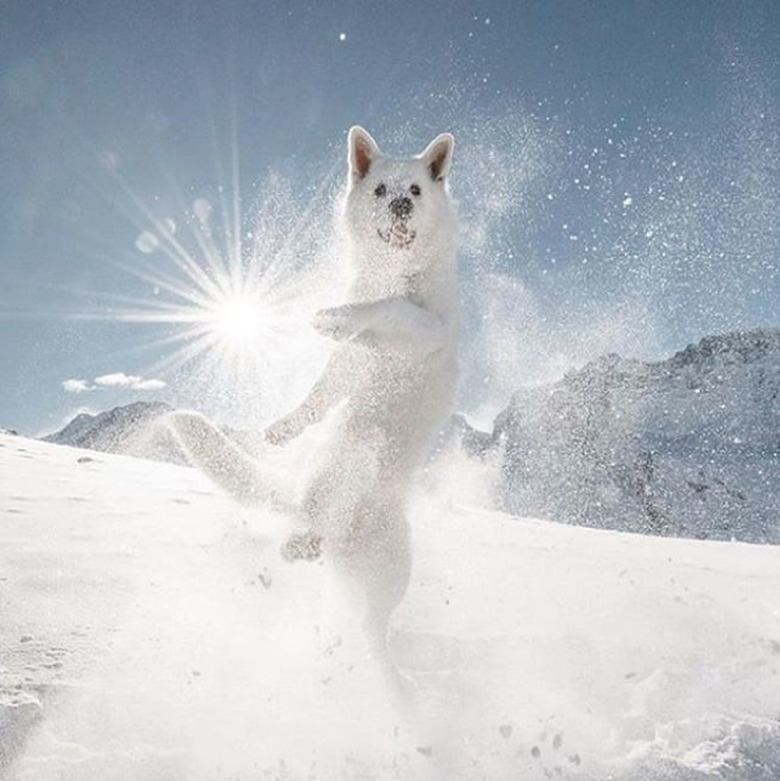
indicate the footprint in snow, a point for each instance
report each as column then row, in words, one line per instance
column 557, row 745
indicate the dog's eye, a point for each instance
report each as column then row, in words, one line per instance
column 380, row 191
column 415, row 189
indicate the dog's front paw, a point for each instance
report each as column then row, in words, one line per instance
column 339, row 323
column 305, row 546
column 281, row 432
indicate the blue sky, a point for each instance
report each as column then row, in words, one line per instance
column 617, row 168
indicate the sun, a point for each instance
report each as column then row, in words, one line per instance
column 237, row 321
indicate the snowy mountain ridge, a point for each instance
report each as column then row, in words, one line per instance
column 125, row 430
column 688, row 446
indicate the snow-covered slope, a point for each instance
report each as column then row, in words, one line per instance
column 688, row 446
column 149, row 631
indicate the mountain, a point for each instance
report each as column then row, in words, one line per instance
column 126, row 430
column 689, row 446
column 150, row 630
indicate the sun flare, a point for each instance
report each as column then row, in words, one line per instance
column 229, row 292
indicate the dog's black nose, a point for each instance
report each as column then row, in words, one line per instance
column 401, row 207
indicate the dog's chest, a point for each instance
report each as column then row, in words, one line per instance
column 402, row 382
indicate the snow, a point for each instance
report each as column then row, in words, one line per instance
column 148, row 630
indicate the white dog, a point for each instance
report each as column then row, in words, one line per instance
column 392, row 375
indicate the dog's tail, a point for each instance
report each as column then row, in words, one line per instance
column 224, row 462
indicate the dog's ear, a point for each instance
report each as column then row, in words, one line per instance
column 438, row 156
column 362, row 151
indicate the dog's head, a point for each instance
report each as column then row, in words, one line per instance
column 397, row 204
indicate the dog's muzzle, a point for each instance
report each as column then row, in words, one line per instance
column 398, row 234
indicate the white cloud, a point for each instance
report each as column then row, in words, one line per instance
column 131, row 381
column 77, row 386
column 115, row 380
column 150, row 384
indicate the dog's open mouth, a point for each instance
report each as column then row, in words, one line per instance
column 398, row 234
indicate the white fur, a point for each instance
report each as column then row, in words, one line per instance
column 393, row 375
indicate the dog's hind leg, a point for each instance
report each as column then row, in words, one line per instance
column 376, row 561
column 226, row 464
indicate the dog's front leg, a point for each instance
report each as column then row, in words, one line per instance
column 402, row 316
column 328, row 390
column 342, row 322
column 398, row 316
column 289, row 426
